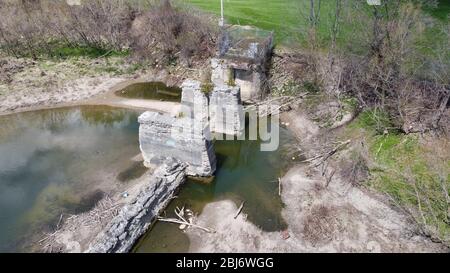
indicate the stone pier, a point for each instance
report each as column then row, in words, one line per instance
column 134, row 219
column 243, row 59
column 225, row 110
column 162, row 136
column 187, row 136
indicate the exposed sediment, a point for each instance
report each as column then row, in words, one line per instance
column 323, row 214
column 134, row 218
column 338, row 218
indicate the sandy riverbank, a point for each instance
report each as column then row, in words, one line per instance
column 85, row 91
column 322, row 216
column 43, row 85
column 334, row 218
column 111, row 99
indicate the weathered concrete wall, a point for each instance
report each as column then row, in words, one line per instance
column 248, row 77
column 185, row 139
column 220, row 72
column 244, row 79
column 220, row 111
column 134, row 218
column 225, row 110
column 243, row 59
column 194, row 103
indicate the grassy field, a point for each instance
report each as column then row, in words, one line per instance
column 286, row 17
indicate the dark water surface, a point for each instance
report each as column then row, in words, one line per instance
column 151, row 91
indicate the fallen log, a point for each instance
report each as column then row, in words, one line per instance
column 279, row 186
column 239, row 210
column 325, row 156
column 180, row 222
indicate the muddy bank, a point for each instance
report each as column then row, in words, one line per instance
column 39, row 84
column 111, row 98
column 66, row 95
column 320, row 219
column 322, row 214
column 84, row 91
column 33, row 85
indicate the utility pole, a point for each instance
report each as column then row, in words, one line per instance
column 221, row 22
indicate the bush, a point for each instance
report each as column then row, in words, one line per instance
column 207, row 87
column 165, row 33
column 375, row 120
column 32, row 28
column 407, row 79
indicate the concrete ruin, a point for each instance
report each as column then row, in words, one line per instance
column 238, row 75
column 187, row 137
column 194, row 103
column 134, row 219
column 226, row 114
column 162, row 136
column 243, row 59
column 219, row 110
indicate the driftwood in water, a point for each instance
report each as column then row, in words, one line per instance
column 239, row 210
column 279, row 186
column 181, row 222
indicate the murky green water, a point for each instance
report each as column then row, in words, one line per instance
column 151, row 91
column 244, row 173
column 58, row 161
column 63, row 160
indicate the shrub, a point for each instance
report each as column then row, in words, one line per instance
column 161, row 33
column 33, row 28
column 165, row 33
column 207, row 87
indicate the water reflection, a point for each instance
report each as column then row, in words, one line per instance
column 243, row 173
column 151, row 91
column 55, row 161
column 63, row 160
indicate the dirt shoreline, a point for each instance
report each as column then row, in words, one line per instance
column 102, row 94
column 322, row 216
column 334, row 218
column 51, row 84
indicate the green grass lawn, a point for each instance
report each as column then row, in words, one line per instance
column 282, row 16
column 286, row 18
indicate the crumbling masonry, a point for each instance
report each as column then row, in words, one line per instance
column 162, row 136
column 242, row 60
column 238, row 75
